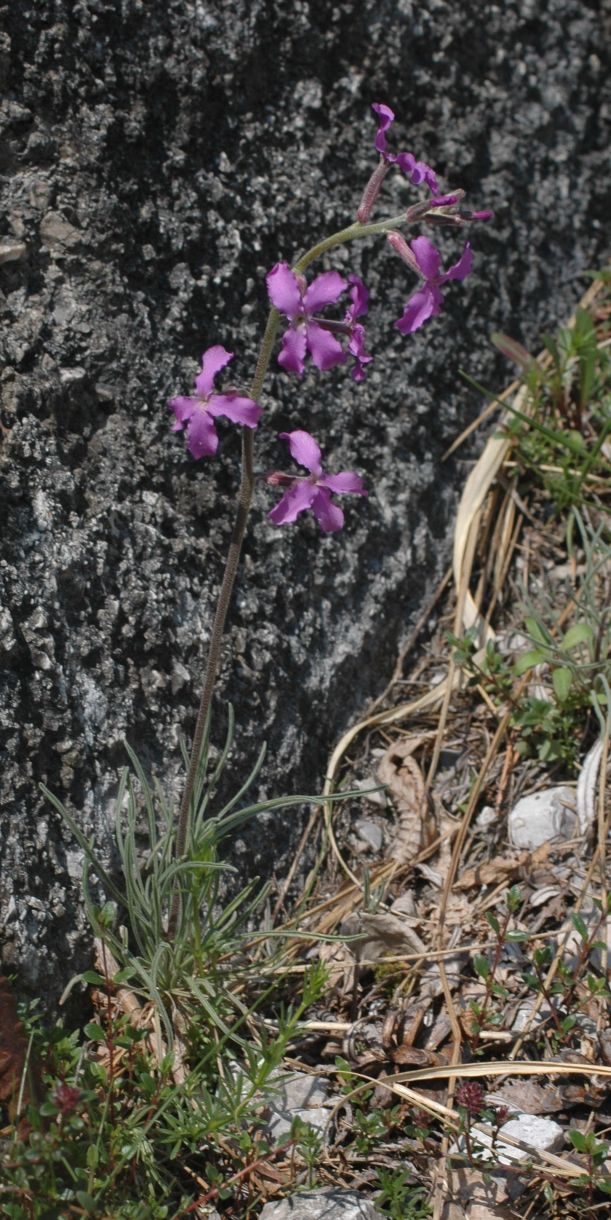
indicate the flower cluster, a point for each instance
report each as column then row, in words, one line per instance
column 330, row 341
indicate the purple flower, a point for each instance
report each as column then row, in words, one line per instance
column 199, row 411
column 359, row 297
column 289, row 294
column 313, row 490
column 424, row 258
column 416, row 171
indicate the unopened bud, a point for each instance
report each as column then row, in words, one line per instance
column 400, row 247
column 371, row 192
column 277, row 479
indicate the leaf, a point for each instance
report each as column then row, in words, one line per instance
column 580, row 925
column 492, row 872
column 578, row 1140
column 528, row 660
column 400, row 773
column 93, row 978
column 94, row 1032
column 537, row 631
column 481, row 966
column 562, row 680
column 579, row 633
column 513, row 350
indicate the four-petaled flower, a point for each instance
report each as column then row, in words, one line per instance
column 199, row 411
column 424, row 258
column 416, row 171
column 299, row 303
column 313, row 490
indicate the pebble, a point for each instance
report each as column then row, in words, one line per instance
column 298, row 1096
column 370, row 833
column 332, row 1203
column 540, row 1134
column 543, row 817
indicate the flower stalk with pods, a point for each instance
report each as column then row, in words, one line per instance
column 323, row 324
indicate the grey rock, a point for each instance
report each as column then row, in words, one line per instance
column 11, row 251
column 298, row 1096
column 156, row 161
column 328, row 1204
column 524, row 1018
column 370, row 834
column 543, row 817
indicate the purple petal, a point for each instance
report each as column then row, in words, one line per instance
column 345, row 483
column 183, row 409
column 304, row 449
column 444, row 201
column 359, row 297
column 460, row 269
column 329, row 515
column 386, row 117
column 294, row 501
column 420, row 307
column 356, row 347
column 213, row 360
column 324, row 290
column 283, row 289
column 239, row 410
column 292, row 354
column 417, row 171
column 202, row 440
column 324, row 349
column 427, row 257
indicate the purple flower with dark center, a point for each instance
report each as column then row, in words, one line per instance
column 290, row 295
column 424, row 258
column 416, row 171
column 199, row 411
column 313, row 490
column 359, row 297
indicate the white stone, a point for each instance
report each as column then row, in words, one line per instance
column 543, row 817
column 332, row 1203
column 541, row 1135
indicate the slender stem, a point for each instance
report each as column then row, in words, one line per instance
column 352, row 232
column 218, row 626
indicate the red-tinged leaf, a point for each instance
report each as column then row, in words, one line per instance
column 513, row 350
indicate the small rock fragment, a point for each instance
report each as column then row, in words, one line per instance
column 298, row 1096
column 543, row 817
column 11, row 252
column 370, row 834
column 330, row 1203
column 540, row 1134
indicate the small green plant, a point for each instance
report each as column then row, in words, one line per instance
column 596, row 1153
column 560, row 441
column 400, row 1198
column 309, row 1146
column 568, row 668
column 486, row 969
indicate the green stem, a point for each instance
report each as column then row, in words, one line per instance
column 352, row 232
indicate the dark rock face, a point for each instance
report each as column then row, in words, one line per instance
column 156, row 161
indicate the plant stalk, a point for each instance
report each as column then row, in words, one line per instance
column 352, row 232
